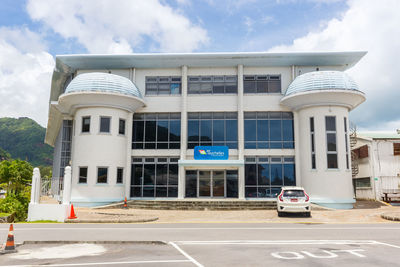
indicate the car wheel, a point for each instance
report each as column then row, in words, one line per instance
column 280, row 214
column 307, row 214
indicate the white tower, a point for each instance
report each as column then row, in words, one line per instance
column 101, row 106
column 321, row 102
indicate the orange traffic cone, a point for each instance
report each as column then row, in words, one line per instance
column 10, row 246
column 125, row 204
column 72, row 213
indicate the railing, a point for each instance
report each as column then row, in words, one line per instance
column 56, row 186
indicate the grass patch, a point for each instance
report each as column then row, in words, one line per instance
column 42, row 221
column 3, row 214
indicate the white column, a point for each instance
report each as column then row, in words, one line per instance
column 35, row 190
column 181, row 176
column 67, row 185
column 297, row 158
column 240, row 130
column 128, row 169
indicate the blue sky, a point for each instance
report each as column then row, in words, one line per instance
column 32, row 32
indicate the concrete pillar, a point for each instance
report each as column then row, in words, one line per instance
column 297, row 158
column 181, row 171
column 128, row 169
column 35, row 190
column 67, row 185
column 240, row 130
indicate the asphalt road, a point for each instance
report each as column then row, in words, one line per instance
column 224, row 244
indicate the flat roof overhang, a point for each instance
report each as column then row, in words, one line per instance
column 211, row 163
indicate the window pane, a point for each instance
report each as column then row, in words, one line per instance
column 289, row 174
column 136, row 191
column 274, row 86
column 172, row 191
column 206, row 88
column 191, row 184
column 276, row 133
column 231, row 88
column 231, row 184
column 104, row 125
column 332, row 161
column 102, row 175
column 161, row 191
column 85, row 124
column 148, row 191
column 82, row 175
column 162, row 131
column 173, row 174
column 149, row 174
column 150, row 131
column 250, row 174
column 262, row 130
column 287, row 126
column 162, row 174
column 175, row 88
column 218, row 130
column 218, row 88
column 331, row 139
column 137, row 172
column 193, row 130
column 250, row 130
column 262, row 86
column 250, row 191
column 205, row 128
column 120, row 175
column 175, row 131
column 330, row 123
column 121, row 128
column 231, row 130
column 138, row 131
column 193, row 88
column 263, row 174
column 249, row 86
column 276, row 174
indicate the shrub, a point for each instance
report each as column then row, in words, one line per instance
column 16, row 203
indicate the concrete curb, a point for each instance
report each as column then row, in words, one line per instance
column 93, row 242
column 111, row 220
column 391, row 216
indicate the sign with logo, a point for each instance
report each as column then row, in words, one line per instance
column 211, row 153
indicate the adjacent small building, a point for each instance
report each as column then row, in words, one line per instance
column 377, row 161
column 203, row 125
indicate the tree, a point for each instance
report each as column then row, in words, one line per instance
column 15, row 175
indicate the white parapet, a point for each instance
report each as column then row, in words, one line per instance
column 48, row 212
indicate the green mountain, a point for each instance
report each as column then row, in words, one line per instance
column 23, row 138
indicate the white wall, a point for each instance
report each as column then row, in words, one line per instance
column 97, row 149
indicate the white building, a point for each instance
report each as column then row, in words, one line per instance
column 378, row 163
column 130, row 125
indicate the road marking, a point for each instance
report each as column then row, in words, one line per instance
column 286, row 255
column 201, row 228
column 186, row 255
column 386, row 244
column 280, row 242
column 296, row 255
column 101, row 263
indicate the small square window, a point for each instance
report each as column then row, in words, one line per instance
column 121, row 129
column 83, row 175
column 120, row 175
column 102, row 173
column 105, row 124
column 85, row 124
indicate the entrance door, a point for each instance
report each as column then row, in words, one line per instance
column 218, row 183
column 204, row 183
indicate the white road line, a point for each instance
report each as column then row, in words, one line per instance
column 386, row 244
column 186, row 255
column 203, row 228
column 101, row 263
column 279, row 242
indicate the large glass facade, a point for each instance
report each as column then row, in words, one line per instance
column 156, row 131
column 268, row 130
column 212, row 129
column 211, row 183
column 264, row 176
column 154, row 177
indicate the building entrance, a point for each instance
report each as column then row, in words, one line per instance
column 211, row 183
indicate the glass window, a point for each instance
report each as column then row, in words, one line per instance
column 85, row 124
column 102, row 173
column 330, row 123
column 191, row 184
column 120, row 175
column 212, row 85
column 105, row 124
column 232, row 183
column 332, row 157
column 156, row 131
column 83, row 175
column 313, row 162
column 163, row 85
column 121, row 127
column 261, row 84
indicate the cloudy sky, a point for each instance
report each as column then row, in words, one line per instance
column 32, row 32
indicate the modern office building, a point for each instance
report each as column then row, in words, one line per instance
column 206, row 125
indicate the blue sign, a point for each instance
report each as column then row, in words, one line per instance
column 211, row 152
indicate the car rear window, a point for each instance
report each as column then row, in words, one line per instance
column 293, row 193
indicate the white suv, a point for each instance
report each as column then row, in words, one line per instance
column 293, row 199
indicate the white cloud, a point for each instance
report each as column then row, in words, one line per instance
column 249, row 23
column 118, row 26
column 25, row 74
column 373, row 26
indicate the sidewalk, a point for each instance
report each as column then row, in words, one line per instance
column 364, row 212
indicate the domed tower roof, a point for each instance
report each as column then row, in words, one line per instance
column 102, row 82
column 323, row 88
column 322, row 80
